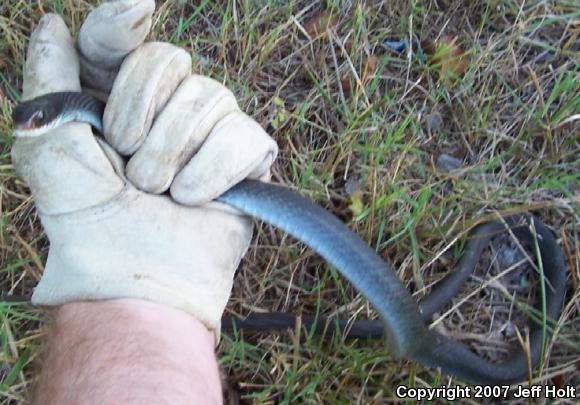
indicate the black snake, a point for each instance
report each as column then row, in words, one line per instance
column 403, row 320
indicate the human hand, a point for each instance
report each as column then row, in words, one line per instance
column 112, row 231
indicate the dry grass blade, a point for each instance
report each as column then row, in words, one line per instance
column 339, row 114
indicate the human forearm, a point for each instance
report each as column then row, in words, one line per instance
column 128, row 351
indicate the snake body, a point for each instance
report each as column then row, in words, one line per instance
column 402, row 319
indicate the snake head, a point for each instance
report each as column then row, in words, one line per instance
column 38, row 114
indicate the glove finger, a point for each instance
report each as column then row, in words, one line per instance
column 108, row 34
column 51, row 61
column 237, row 148
column 147, row 78
column 178, row 132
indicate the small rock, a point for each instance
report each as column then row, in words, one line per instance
column 448, row 163
column 434, row 122
column 507, row 253
column 353, row 184
column 4, row 372
column 201, row 60
column 508, row 331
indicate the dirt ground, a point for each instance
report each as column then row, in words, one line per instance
column 411, row 149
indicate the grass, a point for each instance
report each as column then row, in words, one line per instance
column 512, row 120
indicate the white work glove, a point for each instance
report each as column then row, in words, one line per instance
column 112, row 232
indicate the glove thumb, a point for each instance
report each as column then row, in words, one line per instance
column 66, row 168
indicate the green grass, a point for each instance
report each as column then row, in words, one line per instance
column 512, row 120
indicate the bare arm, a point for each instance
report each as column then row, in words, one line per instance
column 130, row 352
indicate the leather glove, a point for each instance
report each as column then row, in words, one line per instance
column 148, row 230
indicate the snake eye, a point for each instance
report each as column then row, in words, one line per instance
column 37, row 117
